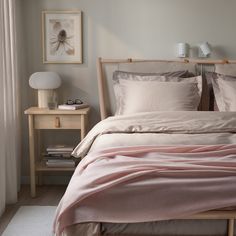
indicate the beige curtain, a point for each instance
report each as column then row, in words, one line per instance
column 9, row 107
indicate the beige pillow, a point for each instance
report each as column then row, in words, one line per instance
column 148, row 96
column 225, row 91
column 134, row 76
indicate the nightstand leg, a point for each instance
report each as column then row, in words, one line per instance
column 32, row 155
column 39, row 151
column 82, row 127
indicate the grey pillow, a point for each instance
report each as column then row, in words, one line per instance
column 224, row 88
column 148, row 76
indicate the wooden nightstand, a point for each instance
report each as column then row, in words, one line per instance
column 42, row 119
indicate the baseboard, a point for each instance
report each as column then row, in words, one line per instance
column 49, row 180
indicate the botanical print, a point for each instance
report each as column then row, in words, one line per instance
column 62, row 37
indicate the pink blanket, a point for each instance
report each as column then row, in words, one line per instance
column 149, row 183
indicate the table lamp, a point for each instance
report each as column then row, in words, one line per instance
column 45, row 83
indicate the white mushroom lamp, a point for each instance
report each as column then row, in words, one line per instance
column 45, row 83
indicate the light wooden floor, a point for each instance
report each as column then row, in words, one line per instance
column 46, row 196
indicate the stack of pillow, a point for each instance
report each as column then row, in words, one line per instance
column 175, row 91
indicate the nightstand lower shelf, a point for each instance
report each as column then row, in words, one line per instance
column 41, row 166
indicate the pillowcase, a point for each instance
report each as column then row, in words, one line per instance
column 159, row 95
column 167, row 76
column 117, row 75
column 224, row 87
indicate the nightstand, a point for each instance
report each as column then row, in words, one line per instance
column 45, row 119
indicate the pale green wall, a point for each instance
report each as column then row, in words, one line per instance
column 123, row 29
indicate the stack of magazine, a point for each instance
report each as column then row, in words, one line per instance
column 59, row 156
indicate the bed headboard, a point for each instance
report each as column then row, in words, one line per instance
column 106, row 67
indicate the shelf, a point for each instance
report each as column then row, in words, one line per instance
column 41, row 166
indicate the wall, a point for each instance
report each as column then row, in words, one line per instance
column 122, row 29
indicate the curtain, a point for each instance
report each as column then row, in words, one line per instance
column 9, row 106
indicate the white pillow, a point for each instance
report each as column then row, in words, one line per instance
column 148, row 96
column 225, row 92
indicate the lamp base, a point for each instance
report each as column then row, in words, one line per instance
column 45, row 97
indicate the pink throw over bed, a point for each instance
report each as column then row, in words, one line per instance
column 149, row 183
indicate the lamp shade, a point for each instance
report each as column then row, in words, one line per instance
column 183, row 50
column 45, row 80
column 205, row 49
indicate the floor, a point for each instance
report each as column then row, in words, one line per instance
column 46, row 196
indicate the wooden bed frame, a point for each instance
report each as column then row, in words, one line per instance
column 229, row 215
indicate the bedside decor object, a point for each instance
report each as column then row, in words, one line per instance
column 72, row 102
column 204, row 50
column 183, row 50
column 46, row 83
column 62, row 36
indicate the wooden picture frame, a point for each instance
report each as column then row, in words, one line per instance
column 62, row 37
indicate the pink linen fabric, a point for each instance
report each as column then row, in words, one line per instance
column 148, row 183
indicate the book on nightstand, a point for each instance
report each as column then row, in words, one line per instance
column 60, row 163
column 72, row 107
column 59, row 156
column 59, row 149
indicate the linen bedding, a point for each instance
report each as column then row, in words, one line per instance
column 187, row 160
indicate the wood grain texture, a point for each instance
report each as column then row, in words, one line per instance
column 46, row 111
column 101, row 89
column 186, row 60
column 66, row 121
column 231, row 227
column 32, row 155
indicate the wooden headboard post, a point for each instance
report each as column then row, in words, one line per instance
column 101, row 89
column 102, row 82
column 101, row 77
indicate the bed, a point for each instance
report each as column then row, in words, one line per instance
column 188, row 156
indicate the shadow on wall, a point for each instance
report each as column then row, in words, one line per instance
column 219, row 52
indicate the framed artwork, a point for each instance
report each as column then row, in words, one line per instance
column 62, row 36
